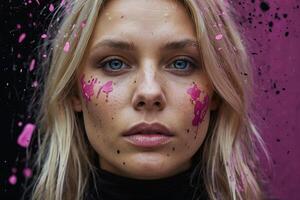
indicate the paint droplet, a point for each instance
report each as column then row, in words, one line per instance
column 12, row 179
column 27, row 172
column 219, row 37
column 44, row 36
column 22, row 37
column 67, row 47
column 118, row 151
column 51, row 8
column 88, row 88
column 32, row 65
column 25, row 136
column 264, row 6
column 107, row 87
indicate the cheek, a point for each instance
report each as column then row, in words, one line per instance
column 93, row 88
column 200, row 100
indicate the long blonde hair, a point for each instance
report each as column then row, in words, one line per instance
column 229, row 155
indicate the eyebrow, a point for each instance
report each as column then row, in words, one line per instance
column 129, row 46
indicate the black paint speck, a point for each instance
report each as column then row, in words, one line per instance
column 264, row 6
column 285, row 15
column 124, row 163
column 277, row 140
column 173, row 149
column 188, row 130
column 271, row 24
column 277, row 92
column 118, row 151
column 286, row 34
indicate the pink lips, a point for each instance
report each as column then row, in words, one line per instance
column 148, row 135
column 148, row 140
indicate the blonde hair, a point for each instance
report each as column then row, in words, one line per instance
column 229, row 160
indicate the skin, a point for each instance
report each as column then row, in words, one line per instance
column 146, row 87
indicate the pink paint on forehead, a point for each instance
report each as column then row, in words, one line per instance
column 87, row 88
column 25, row 136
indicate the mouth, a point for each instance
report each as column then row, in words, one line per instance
column 148, row 135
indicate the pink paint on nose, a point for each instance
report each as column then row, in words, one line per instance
column 25, row 136
column 87, row 88
column 200, row 107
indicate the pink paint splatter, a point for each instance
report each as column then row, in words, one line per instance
column 87, row 89
column 32, row 65
column 219, row 37
column 44, row 36
column 67, row 47
column 194, row 92
column 25, row 136
column 107, row 87
column 22, row 37
column 27, row 172
column 19, row 26
column 34, row 84
column 20, row 124
column 83, row 23
column 51, row 8
column 200, row 110
column 200, row 107
column 12, row 179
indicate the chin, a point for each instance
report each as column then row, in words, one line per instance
column 150, row 168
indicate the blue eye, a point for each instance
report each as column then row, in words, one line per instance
column 182, row 64
column 114, row 64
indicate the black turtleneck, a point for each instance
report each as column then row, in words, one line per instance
column 115, row 187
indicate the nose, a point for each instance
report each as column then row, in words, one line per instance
column 149, row 94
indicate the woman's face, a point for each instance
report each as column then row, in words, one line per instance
column 142, row 64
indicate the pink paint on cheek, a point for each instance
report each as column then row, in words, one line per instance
column 87, row 88
column 194, row 92
column 12, row 179
column 200, row 107
column 107, row 87
column 200, row 110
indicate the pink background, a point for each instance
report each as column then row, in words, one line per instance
column 276, row 57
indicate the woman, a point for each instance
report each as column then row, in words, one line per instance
column 147, row 100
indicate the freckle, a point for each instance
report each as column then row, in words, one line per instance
column 122, row 16
column 106, row 100
column 173, row 149
column 112, row 118
column 118, row 151
column 168, row 154
column 124, row 163
column 135, row 81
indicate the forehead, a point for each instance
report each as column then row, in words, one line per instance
column 143, row 20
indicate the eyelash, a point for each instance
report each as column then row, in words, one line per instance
column 103, row 64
